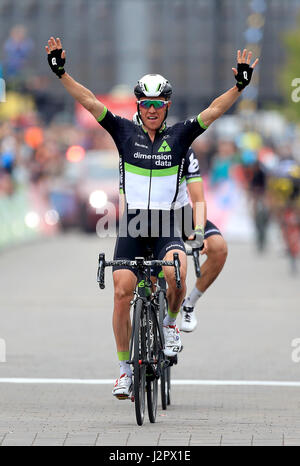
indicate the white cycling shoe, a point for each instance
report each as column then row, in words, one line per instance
column 188, row 319
column 173, row 344
column 123, row 387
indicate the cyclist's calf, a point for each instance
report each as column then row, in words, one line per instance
column 124, row 285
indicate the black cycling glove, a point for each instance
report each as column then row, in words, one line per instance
column 56, row 62
column 243, row 76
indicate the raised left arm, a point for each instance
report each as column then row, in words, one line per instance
column 197, row 197
column 221, row 104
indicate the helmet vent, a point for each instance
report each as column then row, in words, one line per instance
column 153, row 85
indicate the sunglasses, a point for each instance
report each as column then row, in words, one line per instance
column 155, row 103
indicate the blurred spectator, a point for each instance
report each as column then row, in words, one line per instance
column 258, row 181
column 6, row 184
column 7, row 148
column 17, row 49
column 47, row 104
column 18, row 106
column 204, row 148
column 223, row 161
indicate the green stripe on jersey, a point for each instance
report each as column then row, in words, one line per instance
column 165, row 171
column 102, row 115
column 154, row 172
column 136, row 170
column 192, row 180
column 201, row 122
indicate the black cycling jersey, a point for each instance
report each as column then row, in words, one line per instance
column 153, row 175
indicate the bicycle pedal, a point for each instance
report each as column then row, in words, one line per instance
column 122, row 397
column 172, row 360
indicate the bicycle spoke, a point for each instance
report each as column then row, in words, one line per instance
column 152, row 381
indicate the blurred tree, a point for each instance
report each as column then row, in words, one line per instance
column 290, row 75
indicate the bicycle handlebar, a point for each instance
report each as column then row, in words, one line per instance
column 139, row 263
column 195, row 253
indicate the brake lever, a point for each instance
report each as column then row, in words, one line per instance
column 177, row 269
column 100, row 273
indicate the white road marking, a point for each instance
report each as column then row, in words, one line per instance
column 257, row 383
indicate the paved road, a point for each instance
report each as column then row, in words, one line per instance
column 57, row 324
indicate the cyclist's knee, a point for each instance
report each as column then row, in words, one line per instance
column 217, row 248
column 124, row 284
column 122, row 294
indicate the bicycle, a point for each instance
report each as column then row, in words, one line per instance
column 146, row 353
column 160, row 301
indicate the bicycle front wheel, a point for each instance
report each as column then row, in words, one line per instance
column 152, row 381
column 139, row 361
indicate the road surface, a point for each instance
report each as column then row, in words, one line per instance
column 236, row 381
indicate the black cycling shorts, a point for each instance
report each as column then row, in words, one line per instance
column 128, row 247
column 154, row 239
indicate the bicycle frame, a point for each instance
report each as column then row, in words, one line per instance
column 143, row 292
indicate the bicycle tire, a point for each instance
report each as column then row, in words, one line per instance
column 151, row 379
column 168, row 385
column 139, row 366
column 165, row 371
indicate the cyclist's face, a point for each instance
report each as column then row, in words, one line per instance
column 153, row 117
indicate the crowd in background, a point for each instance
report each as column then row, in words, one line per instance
column 33, row 141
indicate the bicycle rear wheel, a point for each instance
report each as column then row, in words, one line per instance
column 165, row 378
column 139, row 358
column 152, row 380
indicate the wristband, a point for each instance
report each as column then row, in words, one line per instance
column 199, row 228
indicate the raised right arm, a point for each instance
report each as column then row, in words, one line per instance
column 80, row 93
column 83, row 95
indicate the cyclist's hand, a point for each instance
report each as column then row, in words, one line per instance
column 244, row 71
column 56, row 56
column 197, row 238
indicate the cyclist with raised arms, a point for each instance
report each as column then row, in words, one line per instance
column 151, row 164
